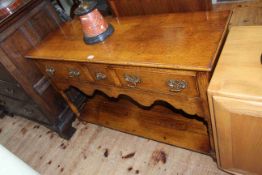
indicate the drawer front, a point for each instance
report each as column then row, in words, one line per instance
column 101, row 74
column 62, row 71
column 158, row 80
column 12, row 90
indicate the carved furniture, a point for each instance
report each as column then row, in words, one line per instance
column 235, row 100
column 149, row 58
column 24, row 90
column 148, row 7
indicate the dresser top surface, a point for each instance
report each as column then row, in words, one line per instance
column 187, row 41
column 239, row 70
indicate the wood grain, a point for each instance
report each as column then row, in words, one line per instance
column 22, row 31
column 245, row 13
column 237, row 5
column 238, row 134
column 191, row 106
column 48, row 154
column 182, row 47
column 172, row 127
column 247, row 57
column 247, row 16
column 235, row 99
column 188, row 42
column 148, row 7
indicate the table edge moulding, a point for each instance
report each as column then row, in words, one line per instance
column 168, row 57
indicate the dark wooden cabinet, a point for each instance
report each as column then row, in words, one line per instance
column 148, row 7
column 24, row 90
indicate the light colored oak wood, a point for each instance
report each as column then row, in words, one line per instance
column 109, row 79
column 153, row 84
column 238, row 125
column 237, row 5
column 246, row 16
column 182, row 48
column 61, row 70
column 185, row 41
column 191, row 106
column 238, row 72
column 48, row 154
column 235, row 100
column 245, row 13
column 156, row 80
column 159, row 122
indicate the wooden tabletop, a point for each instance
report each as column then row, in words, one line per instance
column 239, row 70
column 187, row 41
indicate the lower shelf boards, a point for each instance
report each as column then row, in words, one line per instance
column 158, row 122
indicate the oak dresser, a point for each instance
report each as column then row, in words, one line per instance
column 167, row 57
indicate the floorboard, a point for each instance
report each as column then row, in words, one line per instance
column 95, row 150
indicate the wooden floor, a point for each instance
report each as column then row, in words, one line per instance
column 95, row 150
column 245, row 12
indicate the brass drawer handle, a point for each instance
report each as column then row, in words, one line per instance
column 50, row 71
column 100, row 76
column 73, row 73
column 132, row 80
column 176, row 85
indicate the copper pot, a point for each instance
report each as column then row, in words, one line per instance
column 8, row 7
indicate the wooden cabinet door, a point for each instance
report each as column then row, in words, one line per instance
column 146, row 7
column 238, row 126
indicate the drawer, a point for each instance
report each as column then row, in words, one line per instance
column 159, row 80
column 12, row 90
column 101, row 74
column 64, row 71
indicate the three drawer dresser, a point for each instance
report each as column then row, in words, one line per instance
column 167, row 57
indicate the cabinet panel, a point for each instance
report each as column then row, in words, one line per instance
column 20, row 32
column 10, row 105
column 15, row 46
column 239, row 134
column 12, row 90
column 5, row 76
column 144, row 7
column 43, row 23
column 31, row 111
